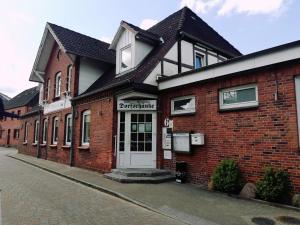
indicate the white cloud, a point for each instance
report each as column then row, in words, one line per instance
column 147, row 23
column 106, row 39
column 226, row 7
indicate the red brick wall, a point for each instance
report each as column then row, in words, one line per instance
column 28, row 148
column 11, row 124
column 255, row 138
column 99, row 156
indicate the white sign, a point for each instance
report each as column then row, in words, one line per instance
column 57, row 105
column 167, row 154
column 136, row 105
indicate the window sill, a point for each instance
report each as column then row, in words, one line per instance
column 66, row 146
column 43, row 145
column 25, row 143
column 53, row 146
column 56, row 99
column 86, row 148
column 239, row 108
column 183, row 114
column 34, row 144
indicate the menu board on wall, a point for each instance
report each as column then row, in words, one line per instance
column 182, row 142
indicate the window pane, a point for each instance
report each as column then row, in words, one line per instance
column 148, row 127
column 86, row 129
column 141, row 127
column 244, row 95
column 198, row 61
column 133, row 127
column 125, row 58
column 185, row 104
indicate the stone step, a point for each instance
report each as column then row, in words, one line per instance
column 150, row 180
column 141, row 172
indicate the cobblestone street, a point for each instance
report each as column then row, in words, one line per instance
column 31, row 196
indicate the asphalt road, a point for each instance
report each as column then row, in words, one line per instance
column 31, row 196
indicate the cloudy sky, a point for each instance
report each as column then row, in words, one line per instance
column 250, row 25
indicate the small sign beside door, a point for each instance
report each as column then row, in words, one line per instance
column 137, row 105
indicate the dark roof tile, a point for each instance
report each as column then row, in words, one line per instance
column 29, row 96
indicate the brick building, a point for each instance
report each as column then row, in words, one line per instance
column 148, row 99
column 10, row 128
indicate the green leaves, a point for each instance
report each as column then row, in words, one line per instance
column 227, row 177
column 274, row 185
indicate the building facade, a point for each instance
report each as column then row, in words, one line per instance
column 175, row 92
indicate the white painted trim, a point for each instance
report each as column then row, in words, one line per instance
column 122, row 71
column 36, row 131
column 58, row 85
column 297, row 87
column 230, row 67
column 181, row 112
column 239, row 104
column 85, row 113
column 45, row 128
column 133, row 94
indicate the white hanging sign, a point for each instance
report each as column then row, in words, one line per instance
column 136, row 105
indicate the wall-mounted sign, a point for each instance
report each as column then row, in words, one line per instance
column 166, row 138
column 58, row 105
column 136, row 105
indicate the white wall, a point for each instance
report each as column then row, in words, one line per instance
column 141, row 51
column 89, row 72
column 187, row 53
column 151, row 79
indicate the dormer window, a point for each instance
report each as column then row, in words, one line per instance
column 126, row 57
column 57, row 85
column 199, row 60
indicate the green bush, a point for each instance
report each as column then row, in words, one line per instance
column 227, row 177
column 274, row 185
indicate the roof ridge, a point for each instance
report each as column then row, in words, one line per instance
column 78, row 33
column 182, row 17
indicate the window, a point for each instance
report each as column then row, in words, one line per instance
column 1, row 131
column 55, row 130
column 16, row 133
column 69, row 78
column 26, row 127
column 68, row 129
column 47, row 90
column 199, row 60
column 86, row 119
column 58, row 85
column 45, row 131
column 183, row 105
column 125, row 58
column 239, row 97
column 36, row 131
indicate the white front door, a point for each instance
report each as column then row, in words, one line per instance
column 136, row 140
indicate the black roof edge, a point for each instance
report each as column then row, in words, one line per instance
column 30, row 113
column 233, row 60
column 184, row 34
column 88, row 57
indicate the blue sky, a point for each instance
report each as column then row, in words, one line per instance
column 250, row 25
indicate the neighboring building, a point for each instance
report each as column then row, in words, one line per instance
column 110, row 106
column 23, row 103
column 4, row 98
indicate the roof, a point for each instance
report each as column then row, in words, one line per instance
column 167, row 29
column 4, row 97
column 141, row 34
column 83, row 45
column 29, row 96
column 289, row 52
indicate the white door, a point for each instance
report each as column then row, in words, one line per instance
column 136, row 140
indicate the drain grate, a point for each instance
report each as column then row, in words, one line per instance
column 288, row 220
column 262, row 221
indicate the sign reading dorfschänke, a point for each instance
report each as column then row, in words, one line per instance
column 137, row 105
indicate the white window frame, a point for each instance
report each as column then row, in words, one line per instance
column 48, row 89
column 69, row 116
column 180, row 112
column 26, row 132
column 69, row 78
column 36, row 131
column 53, row 130
column 121, row 50
column 85, row 113
column 58, row 84
column 202, row 59
column 45, row 128
column 238, row 105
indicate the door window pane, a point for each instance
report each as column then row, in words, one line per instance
column 141, row 127
column 148, row 127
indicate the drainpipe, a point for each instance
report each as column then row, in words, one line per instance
column 38, row 155
column 72, row 150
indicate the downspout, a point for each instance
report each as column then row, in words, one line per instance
column 72, row 150
column 38, row 155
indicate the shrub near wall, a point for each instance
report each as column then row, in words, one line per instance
column 227, row 177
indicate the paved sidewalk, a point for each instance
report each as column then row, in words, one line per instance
column 185, row 202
